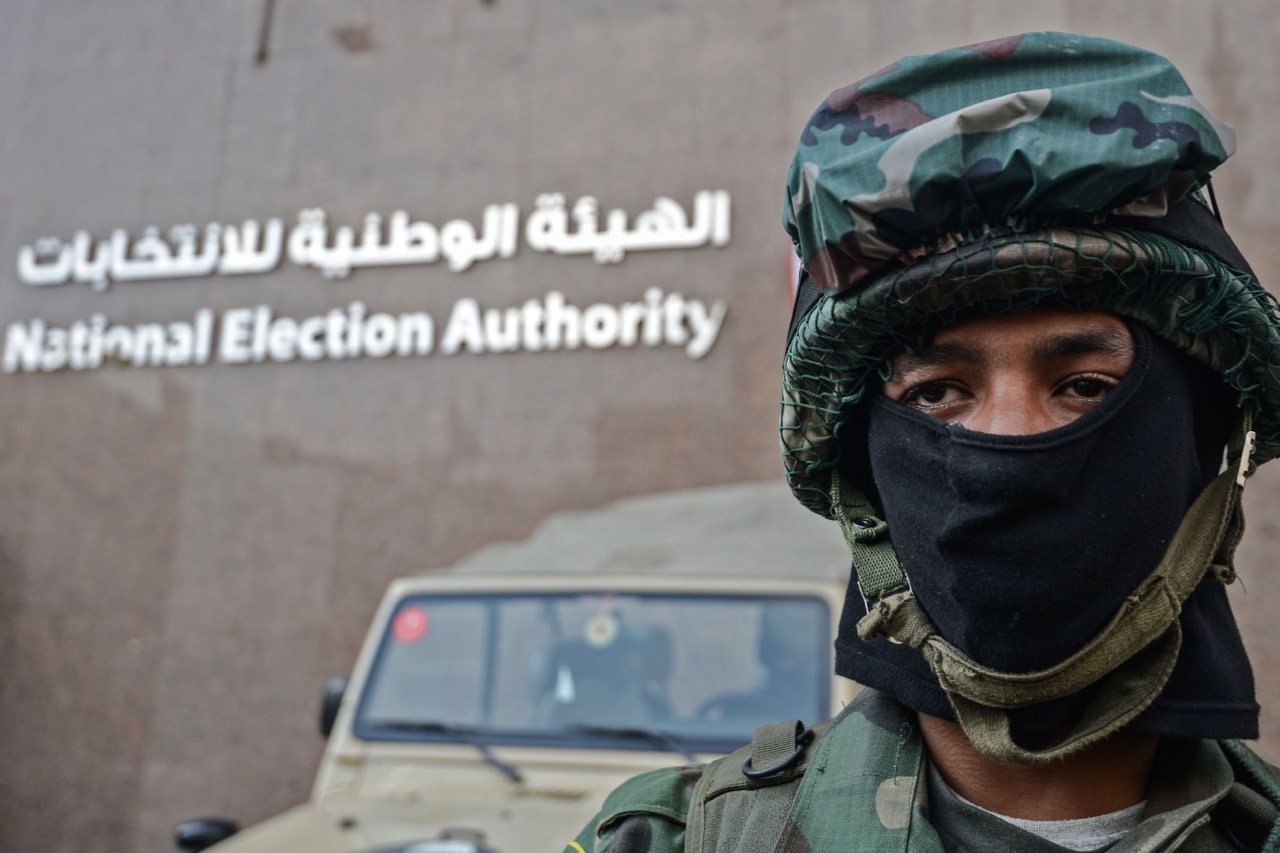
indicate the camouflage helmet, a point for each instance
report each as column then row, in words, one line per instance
column 992, row 178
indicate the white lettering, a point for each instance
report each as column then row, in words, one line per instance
column 204, row 334
column 54, row 356
column 148, row 345
column 282, row 340
column 22, row 346
column 416, row 335
column 706, row 326
column 354, row 327
column 97, row 328
column 653, row 317
column 185, row 251
column 464, row 329
column 563, row 323
column 255, row 335
column 673, row 314
column 309, row 345
column 118, row 343
column 502, row 330
column 630, row 317
column 181, row 350
column 233, row 344
column 380, row 335
column 79, row 345
column 261, row 324
column 531, row 315
column 600, row 326
column 334, row 327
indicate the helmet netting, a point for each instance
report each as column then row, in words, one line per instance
column 1216, row 314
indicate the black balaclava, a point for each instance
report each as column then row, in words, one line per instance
column 1021, row 548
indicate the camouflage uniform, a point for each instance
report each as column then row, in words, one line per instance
column 864, row 790
column 1039, row 169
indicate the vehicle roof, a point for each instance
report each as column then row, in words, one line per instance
column 752, row 529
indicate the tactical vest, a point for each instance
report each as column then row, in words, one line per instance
column 855, row 784
column 784, row 794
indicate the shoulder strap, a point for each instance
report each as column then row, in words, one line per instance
column 1250, row 813
column 742, row 801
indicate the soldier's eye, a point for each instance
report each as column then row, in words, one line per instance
column 1088, row 387
column 931, row 394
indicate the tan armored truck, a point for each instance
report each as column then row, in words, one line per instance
column 495, row 704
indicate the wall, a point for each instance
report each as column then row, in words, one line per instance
column 188, row 552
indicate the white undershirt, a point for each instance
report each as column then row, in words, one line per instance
column 1082, row 834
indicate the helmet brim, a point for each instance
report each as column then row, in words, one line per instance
column 841, row 348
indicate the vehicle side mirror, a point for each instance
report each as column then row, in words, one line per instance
column 192, row 836
column 330, row 702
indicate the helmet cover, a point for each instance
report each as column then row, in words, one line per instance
column 990, row 179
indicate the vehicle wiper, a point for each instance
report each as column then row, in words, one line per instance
column 660, row 739
column 458, row 734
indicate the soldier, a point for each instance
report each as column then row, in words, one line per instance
column 1022, row 344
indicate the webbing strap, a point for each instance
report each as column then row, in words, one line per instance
column 1138, row 647
column 775, row 747
column 867, row 535
column 729, row 811
column 1122, row 694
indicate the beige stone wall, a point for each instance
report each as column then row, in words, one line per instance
column 187, row 553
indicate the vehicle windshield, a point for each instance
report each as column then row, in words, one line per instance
column 691, row 673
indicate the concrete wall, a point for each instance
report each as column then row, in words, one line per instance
column 188, row 552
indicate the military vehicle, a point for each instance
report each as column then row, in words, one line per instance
column 496, row 703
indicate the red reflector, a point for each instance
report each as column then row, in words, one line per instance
column 410, row 624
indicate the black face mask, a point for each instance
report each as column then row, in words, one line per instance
column 1021, row 548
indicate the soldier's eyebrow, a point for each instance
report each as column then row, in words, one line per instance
column 1100, row 341
column 934, row 355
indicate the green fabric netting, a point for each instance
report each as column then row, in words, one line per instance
column 1218, row 315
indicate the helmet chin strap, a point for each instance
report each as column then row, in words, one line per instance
column 1131, row 658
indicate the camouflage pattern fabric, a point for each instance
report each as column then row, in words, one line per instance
column 1026, row 132
column 645, row 814
column 991, row 179
column 866, row 790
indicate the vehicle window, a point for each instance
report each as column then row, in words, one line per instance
column 594, row 670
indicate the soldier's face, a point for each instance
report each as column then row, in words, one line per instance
column 1017, row 374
